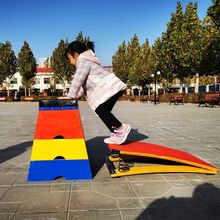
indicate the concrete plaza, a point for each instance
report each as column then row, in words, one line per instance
column 150, row 196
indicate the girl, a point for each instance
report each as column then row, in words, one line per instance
column 102, row 89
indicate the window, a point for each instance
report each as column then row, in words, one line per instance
column 14, row 81
column 46, row 80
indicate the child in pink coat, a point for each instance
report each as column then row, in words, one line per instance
column 101, row 88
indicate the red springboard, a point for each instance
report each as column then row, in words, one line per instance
column 157, row 151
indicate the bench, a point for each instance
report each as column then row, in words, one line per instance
column 3, row 98
column 28, row 98
column 211, row 99
column 143, row 99
column 132, row 99
column 176, row 99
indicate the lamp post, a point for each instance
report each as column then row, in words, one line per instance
column 155, row 84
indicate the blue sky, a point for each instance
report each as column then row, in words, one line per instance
column 42, row 23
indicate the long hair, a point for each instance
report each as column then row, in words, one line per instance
column 79, row 47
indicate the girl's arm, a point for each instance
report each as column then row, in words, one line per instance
column 82, row 71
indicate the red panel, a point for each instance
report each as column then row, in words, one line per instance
column 54, row 123
column 161, row 151
column 44, row 70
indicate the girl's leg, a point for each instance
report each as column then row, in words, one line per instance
column 104, row 112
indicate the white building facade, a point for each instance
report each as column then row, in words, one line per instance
column 43, row 80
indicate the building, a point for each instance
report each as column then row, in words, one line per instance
column 43, row 81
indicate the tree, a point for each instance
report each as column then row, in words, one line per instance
column 172, row 41
column 214, row 12
column 143, row 67
column 61, row 66
column 147, row 63
column 210, row 64
column 27, row 66
column 47, row 63
column 119, row 62
column 163, row 59
column 8, row 61
column 133, row 51
column 81, row 38
column 184, row 41
column 192, row 41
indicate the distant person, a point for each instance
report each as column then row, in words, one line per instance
column 101, row 88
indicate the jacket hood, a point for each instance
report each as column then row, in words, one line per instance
column 89, row 55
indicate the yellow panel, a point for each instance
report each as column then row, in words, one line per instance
column 71, row 149
column 161, row 169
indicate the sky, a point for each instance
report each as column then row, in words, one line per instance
column 43, row 23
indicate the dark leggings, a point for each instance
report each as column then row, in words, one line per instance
column 104, row 112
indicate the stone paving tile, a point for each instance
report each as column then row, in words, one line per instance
column 81, row 185
column 179, row 183
column 8, row 179
column 115, row 190
column 9, row 207
column 43, row 216
column 145, row 177
column 146, row 202
column 37, row 198
column 150, row 189
column 131, row 214
column 60, row 187
column 22, row 180
column 172, row 176
column 95, row 215
column 129, row 203
column 104, row 176
column 14, row 170
column 197, row 182
column 190, row 176
column 89, row 200
column 184, row 197
column 3, row 190
column 210, row 177
column 6, row 216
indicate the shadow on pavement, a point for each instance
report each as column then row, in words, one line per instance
column 98, row 150
column 203, row 205
column 14, row 151
column 136, row 136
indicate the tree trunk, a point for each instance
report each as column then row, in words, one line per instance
column 148, row 90
column 197, row 83
column 139, row 92
column 132, row 91
column 181, row 85
column 64, row 88
column 25, row 91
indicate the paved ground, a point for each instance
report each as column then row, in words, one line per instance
column 153, row 196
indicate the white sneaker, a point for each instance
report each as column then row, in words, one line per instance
column 120, row 135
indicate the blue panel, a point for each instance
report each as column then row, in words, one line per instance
column 51, row 169
column 58, row 108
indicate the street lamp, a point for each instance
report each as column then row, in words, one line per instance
column 155, row 84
